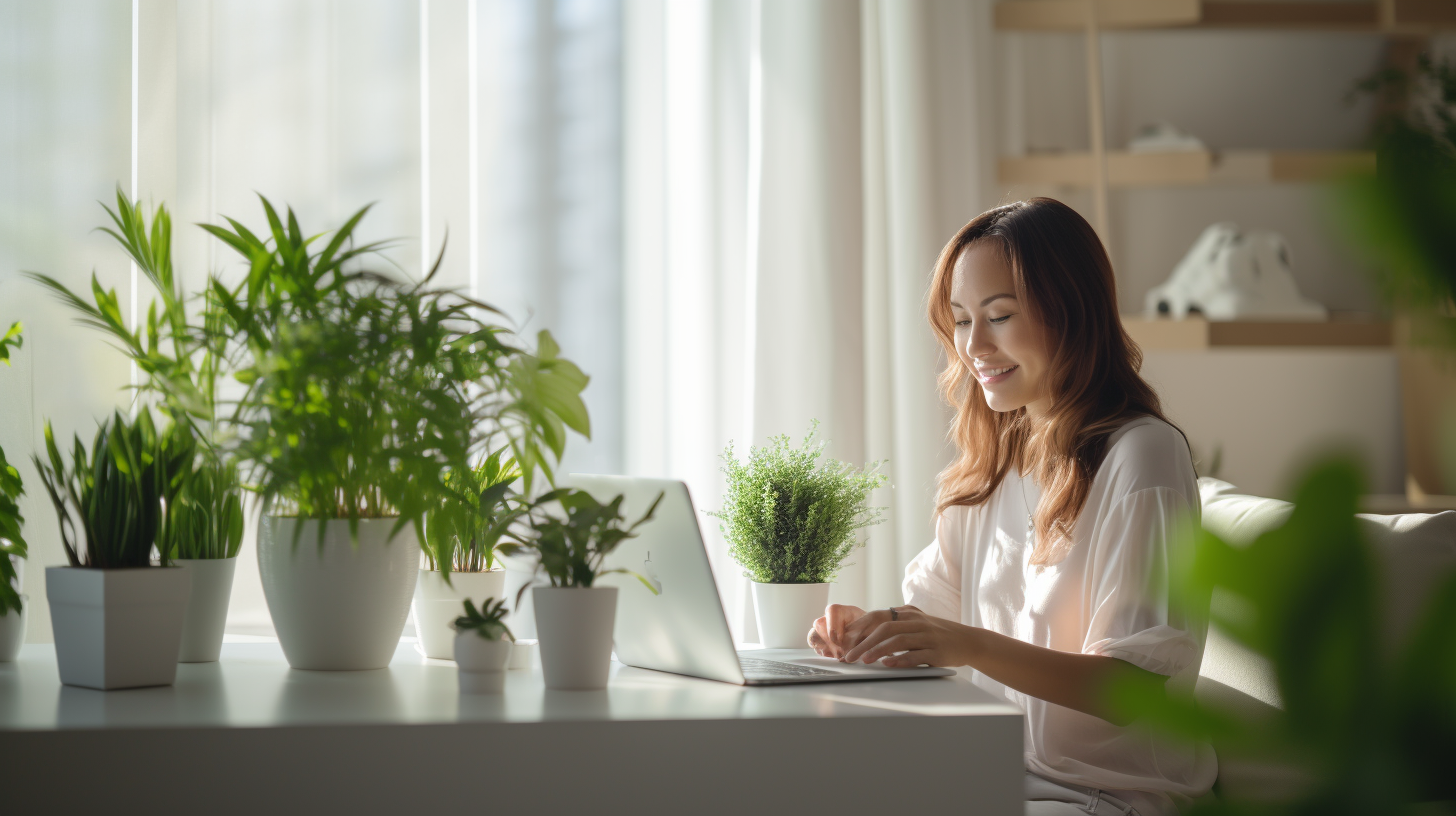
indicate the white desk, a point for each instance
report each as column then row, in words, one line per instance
column 250, row 735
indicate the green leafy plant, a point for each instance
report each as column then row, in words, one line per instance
column 791, row 519
column 365, row 392
column 461, row 534
column 573, row 543
column 182, row 356
column 1372, row 731
column 205, row 518
column 12, row 543
column 118, row 491
column 487, row 622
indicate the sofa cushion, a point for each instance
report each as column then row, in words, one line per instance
column 1415, row 551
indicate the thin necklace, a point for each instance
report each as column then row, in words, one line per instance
column 1030, row 522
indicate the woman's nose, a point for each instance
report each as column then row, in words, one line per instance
column 978, row 342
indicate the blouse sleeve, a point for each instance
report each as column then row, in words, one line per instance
column 933, row 579
column 1131, row 618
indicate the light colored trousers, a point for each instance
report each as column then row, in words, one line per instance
column 1047, row 798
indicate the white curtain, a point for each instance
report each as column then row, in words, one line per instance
column 792, row 171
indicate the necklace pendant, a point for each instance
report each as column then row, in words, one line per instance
column 1030, row 524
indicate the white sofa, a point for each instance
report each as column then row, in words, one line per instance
column 1414, row 550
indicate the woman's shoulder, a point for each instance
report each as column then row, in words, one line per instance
column 1147, row 452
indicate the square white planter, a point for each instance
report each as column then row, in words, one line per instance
column 118, row 628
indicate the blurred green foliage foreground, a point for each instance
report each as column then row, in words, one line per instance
column 1369, row 725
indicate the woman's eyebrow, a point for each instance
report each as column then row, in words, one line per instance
column 988, row 300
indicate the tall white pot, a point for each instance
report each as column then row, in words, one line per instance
column 438, row 604
column 574, row 626
column 117, row 628
column 786, row 613
column 341, row 606
column 12, row 630
column 212, row 589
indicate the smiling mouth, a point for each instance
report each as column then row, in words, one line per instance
column 994, row 375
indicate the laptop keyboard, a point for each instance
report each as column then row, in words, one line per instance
column 755, row 667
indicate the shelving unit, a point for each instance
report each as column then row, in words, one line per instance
column 1389, row 16
column 1184, row 168
column 1102, row 170
column 1197, row 334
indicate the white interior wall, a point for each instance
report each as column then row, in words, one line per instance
column 1268, row 410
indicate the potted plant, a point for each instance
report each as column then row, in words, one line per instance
column 459, row 548
column 181, row 352
column 574, row 618
column 482, row 647
column 790, row 521
column 12, row 543
column 117, row 618
column 366, row 398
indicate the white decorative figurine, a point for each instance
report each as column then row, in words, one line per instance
column 1230, row 274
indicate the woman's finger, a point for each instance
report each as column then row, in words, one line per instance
column 879, row 633
column 913, row 658
column 908, row 641
column 816, row 642
column 855, row 632
column 837, row 617
column 819, row 639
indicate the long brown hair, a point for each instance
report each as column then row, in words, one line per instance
column 1063, row 279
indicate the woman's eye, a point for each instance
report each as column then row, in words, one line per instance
column 963, row 322
column 1001, row 319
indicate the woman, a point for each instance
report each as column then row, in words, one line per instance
column 1057, row 523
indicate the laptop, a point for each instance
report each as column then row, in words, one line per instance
column 683, row 629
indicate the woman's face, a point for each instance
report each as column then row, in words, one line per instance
column 1005, row 349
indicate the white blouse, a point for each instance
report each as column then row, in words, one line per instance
column 1108, row 596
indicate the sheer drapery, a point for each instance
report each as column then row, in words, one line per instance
column 792, row 171
column 726, row 210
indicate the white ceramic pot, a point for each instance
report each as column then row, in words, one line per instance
column 12, row 631
column 786, row 613
column 340, row 606
column 482, row 663
column 574, row 626
column 523, row 654
column 437, row 605
column 117, row 628
column 212, row 588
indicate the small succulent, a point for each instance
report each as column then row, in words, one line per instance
column 486, row 621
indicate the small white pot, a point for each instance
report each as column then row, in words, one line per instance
column 12, row 631
column 482, row 663
column 212, row 588
column 341, row 606
column 438, row 604
column 117, row 628
column 786, row 613
column 574, row 625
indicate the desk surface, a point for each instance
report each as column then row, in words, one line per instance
column 252, row 686
column 249, row 735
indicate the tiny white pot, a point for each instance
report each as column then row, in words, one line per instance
column 12, row 631
column 482, row 663
column 212, row 588
column 117, row 628
column 341, row 606
column 786, row 613
column 574, row 626
column 437, row 605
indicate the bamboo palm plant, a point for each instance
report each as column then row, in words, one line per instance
column 181, row 351
column 368, row 395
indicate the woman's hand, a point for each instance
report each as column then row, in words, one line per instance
column 828, row 633
column 925, row 640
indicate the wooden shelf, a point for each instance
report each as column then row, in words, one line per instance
column 1368, row 16
column 1185, row 168
column 1197, row 334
